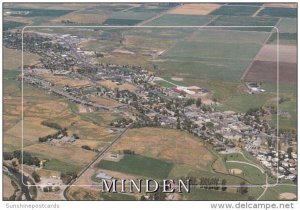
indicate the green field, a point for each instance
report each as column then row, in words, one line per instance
column 38, row 12
column 12, row 24
column 250, row 22
column 287, row 25
column 203, row 69
column 122, row 22
column 278, row 12
column 252, row 174
column 273, row 193
column 139, row 165
column 235, row 10
column 192, row 49
column 57, row 165
column 180, row 20
column 164, row 84
column 241, row 102
column 225, row 36
column 208, row 195
column 284, row 38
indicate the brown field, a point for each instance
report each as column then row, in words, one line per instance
column 287, row 196
column 282, row 5
column 266, row 71
column 126, row 59
column 112, row 85
column 80, row 193
column 195, row 9
column 47, row 110
column 104, row 101
column 65, row 121
column 286, row 53
column 82, row 18
column 13, row 59
column 8, row 189
column 167, row 144
column 148, row 43
column 64, row 80
column 32, row 129
column 65, row 153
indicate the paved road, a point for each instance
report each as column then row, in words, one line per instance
column 92, row 163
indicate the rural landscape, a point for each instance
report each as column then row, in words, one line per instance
column 205, row 92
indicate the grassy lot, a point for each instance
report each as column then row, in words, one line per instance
column 243, row 101
column 250, row 173
column 235, row 11
column 139, row 165
column 208, row 195
column 278, row 12
column 273, row 193
column 245, row 21
column 57, row 165
column 180, row 20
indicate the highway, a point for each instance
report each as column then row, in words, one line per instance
column 92, row 163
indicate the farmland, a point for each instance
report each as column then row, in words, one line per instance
column 180, row 20
column 235, row 10
column 139, row 165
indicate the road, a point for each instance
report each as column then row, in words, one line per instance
column 93, row 162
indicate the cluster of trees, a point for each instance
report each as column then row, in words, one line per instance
column 28, row 159
column 128, row 152
column 53, row 136
column 121, row 122
column 68, row 177
column 52, row 125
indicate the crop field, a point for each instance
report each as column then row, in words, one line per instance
column 139, row 165
column 250, row 22
column 286, row 53
column 266, row 71
column 37, row 12
column 180, row 20
column 122, row 22
column 217, row 50
column 285, row 38
column 194, row 9
column 278, row 12
column 213, row 69
column 235, row 10
column 211, row 34
column 287, row 25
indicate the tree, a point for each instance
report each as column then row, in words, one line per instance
column 36, row 177
column 198, row 102
column 224, row 185
column 243, row 189
column 289, row 152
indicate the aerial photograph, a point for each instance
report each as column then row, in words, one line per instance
column 149, row 101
